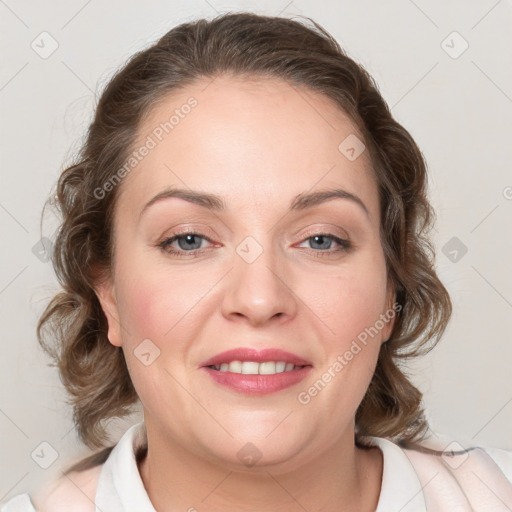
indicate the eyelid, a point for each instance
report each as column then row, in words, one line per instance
column 189, row 229
column 331, row 229
column 181, row 233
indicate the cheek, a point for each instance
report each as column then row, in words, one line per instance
column 153, row 306
column 350, row 301
column 152, row 310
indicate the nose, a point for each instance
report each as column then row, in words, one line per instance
column 259, row 291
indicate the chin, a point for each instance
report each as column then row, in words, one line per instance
column 258, row 450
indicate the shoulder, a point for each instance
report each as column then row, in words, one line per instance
column 475, row 475
column 454, row 457
column 18, row 503
column 74, row 492
column 503, row 458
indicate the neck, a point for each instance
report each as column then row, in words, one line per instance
column 344, row 478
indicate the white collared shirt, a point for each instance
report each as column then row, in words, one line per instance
column 479, row 480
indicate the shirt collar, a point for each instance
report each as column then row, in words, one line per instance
column 120, row 487
column 401, row 488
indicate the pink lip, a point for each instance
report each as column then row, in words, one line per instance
column 258, row 356
column 257, row 384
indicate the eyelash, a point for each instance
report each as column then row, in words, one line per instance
column 345, row 245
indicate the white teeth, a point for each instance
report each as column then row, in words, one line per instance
column 250, row 368
column 267, row 368
column 254, row 368
column 235, row 367
column 280, row 366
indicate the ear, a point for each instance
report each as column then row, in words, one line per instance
column 390, row 312
column 105, row 290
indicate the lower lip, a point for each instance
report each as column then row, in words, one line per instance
column 258, row 384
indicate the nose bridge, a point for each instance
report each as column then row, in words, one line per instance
column 258, row 286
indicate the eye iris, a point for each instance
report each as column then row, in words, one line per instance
column 322, row 238
column 187, row 238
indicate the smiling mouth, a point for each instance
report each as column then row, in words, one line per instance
column 256, row 368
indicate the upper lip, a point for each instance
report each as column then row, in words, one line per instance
column 256, row 355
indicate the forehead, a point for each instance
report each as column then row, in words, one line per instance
column 257, row 141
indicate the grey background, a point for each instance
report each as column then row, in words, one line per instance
column 456, row 104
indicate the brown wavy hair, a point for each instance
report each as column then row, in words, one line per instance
column 73, row 328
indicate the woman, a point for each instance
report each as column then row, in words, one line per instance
column 244, row 250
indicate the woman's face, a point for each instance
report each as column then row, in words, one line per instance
column 255, row 274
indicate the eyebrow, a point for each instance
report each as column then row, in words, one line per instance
column 216, row 203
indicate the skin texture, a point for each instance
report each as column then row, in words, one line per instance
column 258, row 144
